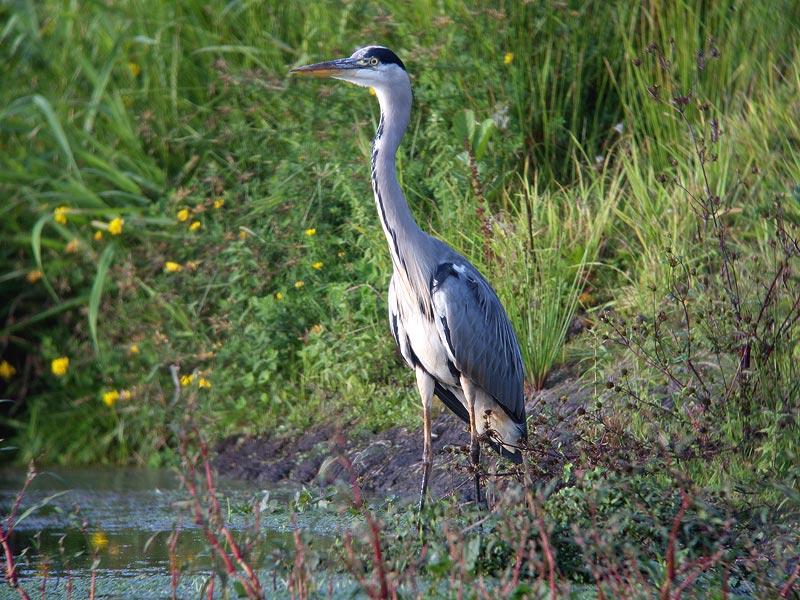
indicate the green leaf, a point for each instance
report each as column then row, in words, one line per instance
column 523, row 590
column 109, row 172
column 482, row 137
column 439, row 563
column 100, row 87
column 97, row 293
column 250, row 52
column 41, row 316
column 39, row 505
column 36, row 245
column 464, row 125
column 238, row 587
column 472, row 551
column 58, row 132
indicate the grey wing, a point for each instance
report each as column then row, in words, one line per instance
column 475, row 329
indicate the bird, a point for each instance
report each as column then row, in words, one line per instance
column 446, row 319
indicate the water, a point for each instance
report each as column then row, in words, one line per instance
column 121, row 519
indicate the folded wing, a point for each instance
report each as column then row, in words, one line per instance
column 477, row 333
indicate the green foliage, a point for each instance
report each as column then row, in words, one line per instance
column 554, row 240
column 535, row 148
column 608, row 533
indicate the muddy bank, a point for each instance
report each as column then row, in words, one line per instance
column 389, row 462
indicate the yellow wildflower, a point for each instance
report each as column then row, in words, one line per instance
column 60, row 214
column 195, row 226
column 99, row 540
column 204, row 383
column 134, row 349
column 279, row 296
column 59, row 366
column 98, row 235
column 372, row 91
column 172, row 267
column 72, row 246
column 316, row 329
column 183, row 215
column 33, row 276
column 317, row 265
column 115, row 226
column 311, row 231
column 125, row 395
column 298, row 284
column 7, row 370
column 110, row 398
column 509, row 56
column 243, row 234
column 186, row 380
column 134, row 68
column 219, row 202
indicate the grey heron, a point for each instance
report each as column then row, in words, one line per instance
column 446, row 319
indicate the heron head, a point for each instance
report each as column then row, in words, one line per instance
column 373, row 66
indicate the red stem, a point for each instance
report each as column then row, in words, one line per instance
column 704, row 565
column 673, row 535
column 6, row 533
column 173, row 561
column 237, row 554
column 551, row 564
column 93, row 584
column 787, row 587
column 376, row 549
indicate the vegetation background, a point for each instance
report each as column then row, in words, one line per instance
column 246, row 246
column 626, row 173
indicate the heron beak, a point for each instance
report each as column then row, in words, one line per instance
column 325, row 69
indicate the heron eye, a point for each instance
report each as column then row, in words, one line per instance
column 373, row 61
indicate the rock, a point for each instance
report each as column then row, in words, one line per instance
column 329, row 471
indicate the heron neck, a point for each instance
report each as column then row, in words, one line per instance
column 396, row 219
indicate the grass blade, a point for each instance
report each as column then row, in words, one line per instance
column 100, row 87
column 97, row 293
column 22, row 324
column 58, row 132
column 36, row 245
column 38, row 506
column 248, row 51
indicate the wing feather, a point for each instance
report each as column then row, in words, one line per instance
column 478, row 335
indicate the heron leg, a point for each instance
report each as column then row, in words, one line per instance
column 425, row 385
column 474, row 444
column 475, row 458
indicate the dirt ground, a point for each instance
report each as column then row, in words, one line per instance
column 386, row 463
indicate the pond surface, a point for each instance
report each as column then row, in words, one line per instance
column 120, row 521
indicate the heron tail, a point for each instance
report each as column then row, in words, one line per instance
column 454, row 404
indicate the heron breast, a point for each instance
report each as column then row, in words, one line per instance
column 427, row 347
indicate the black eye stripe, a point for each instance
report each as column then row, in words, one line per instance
column 384, row 55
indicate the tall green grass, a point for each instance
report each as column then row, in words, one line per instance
column 553, row 241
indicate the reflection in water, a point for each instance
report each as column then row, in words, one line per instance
column 123, row 518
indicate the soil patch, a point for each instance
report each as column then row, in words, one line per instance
column 388, row 462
